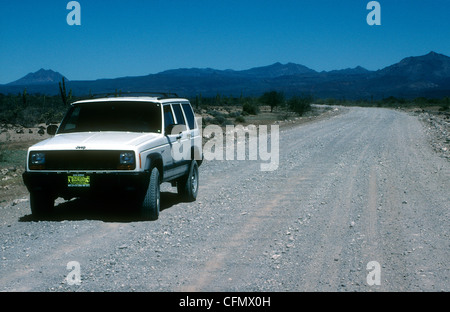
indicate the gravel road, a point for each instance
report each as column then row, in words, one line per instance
column 361, row 186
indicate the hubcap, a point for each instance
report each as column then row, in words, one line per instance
column 194, row 181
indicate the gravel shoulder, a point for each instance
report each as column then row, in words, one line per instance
column 351, row 188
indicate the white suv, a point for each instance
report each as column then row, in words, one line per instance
column 118, row 146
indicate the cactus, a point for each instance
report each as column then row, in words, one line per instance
column 62, row 89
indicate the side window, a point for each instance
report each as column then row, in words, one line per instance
column 189, row 115
column 168, row 116
column 178, row 114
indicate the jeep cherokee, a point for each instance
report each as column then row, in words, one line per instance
column 118, row 146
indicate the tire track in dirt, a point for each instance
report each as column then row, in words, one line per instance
column 233, row 245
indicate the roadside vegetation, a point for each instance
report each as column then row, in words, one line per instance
column 29, row 110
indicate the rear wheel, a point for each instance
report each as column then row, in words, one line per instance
column 41, row 204
column 188, row 186
column 151, row 204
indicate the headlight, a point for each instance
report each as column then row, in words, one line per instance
column 127, row 161
column 37, row 160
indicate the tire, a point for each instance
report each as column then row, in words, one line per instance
column 151, row 204
column 41, row 204
column 188, row 186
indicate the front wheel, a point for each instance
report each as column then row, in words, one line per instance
column 151, row 203
column 188, row 186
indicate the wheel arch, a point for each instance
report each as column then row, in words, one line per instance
column 196, row 154
column 154, row 160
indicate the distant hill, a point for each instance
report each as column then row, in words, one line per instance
column 428, row 67
column 349, row 71
column 41, row 77
column 427, row 75
column 278, row 70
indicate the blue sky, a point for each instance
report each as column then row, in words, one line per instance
column 136, row 37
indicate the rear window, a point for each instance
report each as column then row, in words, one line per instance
column 189, row 115
column 178, row 114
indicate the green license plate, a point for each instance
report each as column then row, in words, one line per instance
column 78, row 180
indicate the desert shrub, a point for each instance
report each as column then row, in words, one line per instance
column 284, row 116
column 2, row 153
column 214, row 113
column 445, row 105
column 219, row 120
column 30, row 109
column 250, row 108
column 234, row 114
column 300, row 105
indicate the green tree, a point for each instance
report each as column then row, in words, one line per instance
column 198, row 101
column 218, row 100
column 300, row 104
column 273, row 99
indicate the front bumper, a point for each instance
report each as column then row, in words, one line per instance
column 110, row 184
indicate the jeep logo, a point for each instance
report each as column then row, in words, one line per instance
column 81, row 148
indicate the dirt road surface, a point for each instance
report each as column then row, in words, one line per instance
column 355, row 188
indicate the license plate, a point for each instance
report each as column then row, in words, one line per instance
column 78, row 180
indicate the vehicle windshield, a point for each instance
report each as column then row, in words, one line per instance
column 113, row 116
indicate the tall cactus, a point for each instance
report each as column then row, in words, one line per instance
column 62, row 89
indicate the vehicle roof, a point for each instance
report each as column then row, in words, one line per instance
column 132, row 99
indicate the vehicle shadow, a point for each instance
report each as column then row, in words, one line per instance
column 102, row 210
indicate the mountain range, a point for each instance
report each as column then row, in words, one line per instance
column 427, row 75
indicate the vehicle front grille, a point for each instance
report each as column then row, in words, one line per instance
column 82, row 160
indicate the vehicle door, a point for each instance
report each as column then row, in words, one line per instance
column 176, row 134
column 195, row 137
column 182, row 155
column 169, row 122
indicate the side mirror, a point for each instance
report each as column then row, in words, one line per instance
column 51, row 130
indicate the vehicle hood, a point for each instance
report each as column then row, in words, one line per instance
column 96, row 141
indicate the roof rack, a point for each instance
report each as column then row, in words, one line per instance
column 159, row 95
